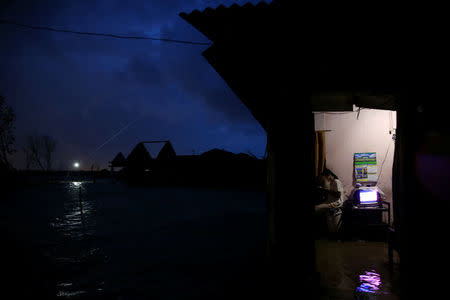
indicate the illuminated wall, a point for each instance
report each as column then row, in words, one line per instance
column 367, row 133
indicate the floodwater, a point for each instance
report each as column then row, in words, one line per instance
column 122, row 242
column 356, row 269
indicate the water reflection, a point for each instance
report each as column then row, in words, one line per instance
column 370, row 283
column 76, row 183
column 68, row 290
column 78, row 220
column 78, row 252
column 70, row 294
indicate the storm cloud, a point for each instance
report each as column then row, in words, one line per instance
column 83, row 89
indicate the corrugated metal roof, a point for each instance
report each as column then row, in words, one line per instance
column 237, row 32
column 220, row 22
column 261, row 50
column 232, row 9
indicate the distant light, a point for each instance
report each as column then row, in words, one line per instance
column 76, row 165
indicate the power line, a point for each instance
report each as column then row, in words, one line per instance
column 117, row 36
column 382, row 164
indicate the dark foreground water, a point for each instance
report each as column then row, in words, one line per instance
column 128, row 242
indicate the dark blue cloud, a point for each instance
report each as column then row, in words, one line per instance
column 142, row 70
column 83, row 89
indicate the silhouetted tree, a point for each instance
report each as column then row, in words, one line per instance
column 49, row 145
column 28, row 158
column 34, row 150
column 7, row 138
column 39, row 150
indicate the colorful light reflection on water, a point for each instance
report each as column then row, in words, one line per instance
column 370, row 282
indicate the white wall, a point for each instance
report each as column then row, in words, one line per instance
column 349, row 135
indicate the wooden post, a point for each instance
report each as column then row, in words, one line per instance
column 291, row 244
column 80, row 200
column 92, row 173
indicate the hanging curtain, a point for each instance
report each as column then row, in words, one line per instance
column 319, row 153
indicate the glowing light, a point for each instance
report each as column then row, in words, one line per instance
column 370, row 282
column 76, row 164
column 76, row 183
column 368, row 197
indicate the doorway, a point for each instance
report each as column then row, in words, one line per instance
column 357, row 260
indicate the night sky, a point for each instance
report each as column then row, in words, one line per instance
column 83, row 90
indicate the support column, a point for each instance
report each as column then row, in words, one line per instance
column 421, row 214
column 291, row 243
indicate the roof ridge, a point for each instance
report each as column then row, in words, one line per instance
column 231, row 6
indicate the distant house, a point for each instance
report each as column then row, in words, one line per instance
column 216, row 166
column 118, row 162
column 139, row 159
column 217, row 154
column 167, row 152
column 223, row 155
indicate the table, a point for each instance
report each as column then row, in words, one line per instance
column 367, row 221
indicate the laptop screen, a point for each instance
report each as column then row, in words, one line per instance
column 368, row 197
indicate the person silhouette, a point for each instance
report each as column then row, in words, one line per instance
column 334, row 200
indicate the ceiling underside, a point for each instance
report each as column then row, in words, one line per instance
column 275, row 60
